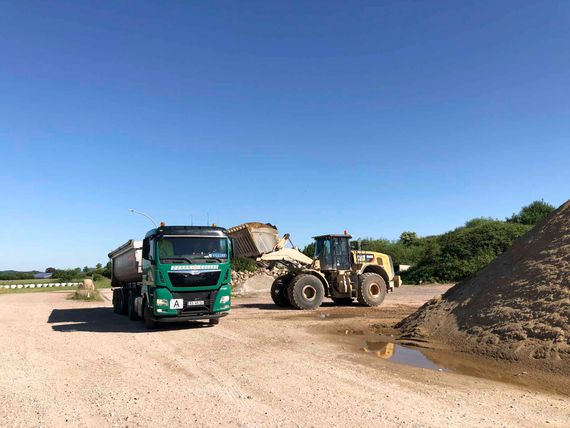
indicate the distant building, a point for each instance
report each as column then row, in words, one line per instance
column 43, row 275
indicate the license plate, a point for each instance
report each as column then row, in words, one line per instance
column 195, row 303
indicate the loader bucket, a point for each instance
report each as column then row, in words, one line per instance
column 253, row 239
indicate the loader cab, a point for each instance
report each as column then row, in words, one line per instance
column 333, row 252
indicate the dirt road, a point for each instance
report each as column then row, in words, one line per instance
column 78, row 364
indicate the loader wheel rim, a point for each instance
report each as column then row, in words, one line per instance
column 374, row 289
column 309, row 292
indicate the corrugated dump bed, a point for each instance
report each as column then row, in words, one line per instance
column 253, row 239
column 127, row 263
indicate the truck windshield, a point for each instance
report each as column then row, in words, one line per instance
column 186, row 250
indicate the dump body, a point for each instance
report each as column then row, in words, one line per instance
column 253, row 239
column 126, row 263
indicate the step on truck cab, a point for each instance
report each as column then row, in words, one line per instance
column 177, row 273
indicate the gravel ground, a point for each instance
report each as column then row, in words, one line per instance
column 72, row 363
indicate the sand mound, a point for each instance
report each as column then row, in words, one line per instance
column 517, row 307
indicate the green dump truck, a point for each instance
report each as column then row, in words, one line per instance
column 177, row 273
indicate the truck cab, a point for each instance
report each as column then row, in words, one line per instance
column 185, row 275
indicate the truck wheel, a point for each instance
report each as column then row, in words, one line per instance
column 115, row 303
column 342, row 301
column 123, row 302
column 149, row 323
column 118, row 301
column 306, row 292
column 279, row 292
column 132, row 313
column 371, row 289
column 214, row 321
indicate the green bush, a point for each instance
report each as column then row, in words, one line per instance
column 243, row 264
column 408, row 238
column 479, row 221
column 67, row 275
column 460, row 253
column 532, row 213
column 409, row 251
column 107, row 270
column 11, row 276
column 309, row 250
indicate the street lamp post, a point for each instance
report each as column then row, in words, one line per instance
column 145, row 215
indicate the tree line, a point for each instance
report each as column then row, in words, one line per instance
column 64, row 275
column 87, row 272
column 457, row 254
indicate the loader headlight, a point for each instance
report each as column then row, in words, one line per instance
column 161, row 302
column 224, row 299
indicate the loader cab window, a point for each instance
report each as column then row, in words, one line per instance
column 323, row 252
column 341, row 253
column 332, row 252
column 322, row 247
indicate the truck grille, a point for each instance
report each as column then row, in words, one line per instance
column 203, row 279
column 208, row 297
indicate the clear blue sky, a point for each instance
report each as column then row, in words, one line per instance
column 376, row 117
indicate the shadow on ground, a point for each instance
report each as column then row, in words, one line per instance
column 104, row 320
column 274, row 307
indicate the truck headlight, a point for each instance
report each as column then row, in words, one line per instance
column 161, row 302
column 224, row 299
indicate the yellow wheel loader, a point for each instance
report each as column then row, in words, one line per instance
column 336, row 271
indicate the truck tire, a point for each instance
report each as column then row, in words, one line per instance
column 149, row 323
column 371, row 289
column 115, row 301
column 122, row 303
column 132, row 313
column 342, row 301
column 214, row 321
column 118, row 301
column 279, row 292
column 306, row 292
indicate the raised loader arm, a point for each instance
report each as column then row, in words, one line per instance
column 287, row 256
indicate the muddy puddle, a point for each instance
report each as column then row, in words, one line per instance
column 351, row 329
column 400, row 354
column 387, row 348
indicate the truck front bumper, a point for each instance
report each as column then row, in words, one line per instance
column 190, row 317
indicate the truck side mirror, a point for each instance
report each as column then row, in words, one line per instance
column 146, row 248
column 232, row 248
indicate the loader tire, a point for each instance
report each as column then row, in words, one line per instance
column 279, row 292
column 371, row 289
column 306, row 292
column 342, row 301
